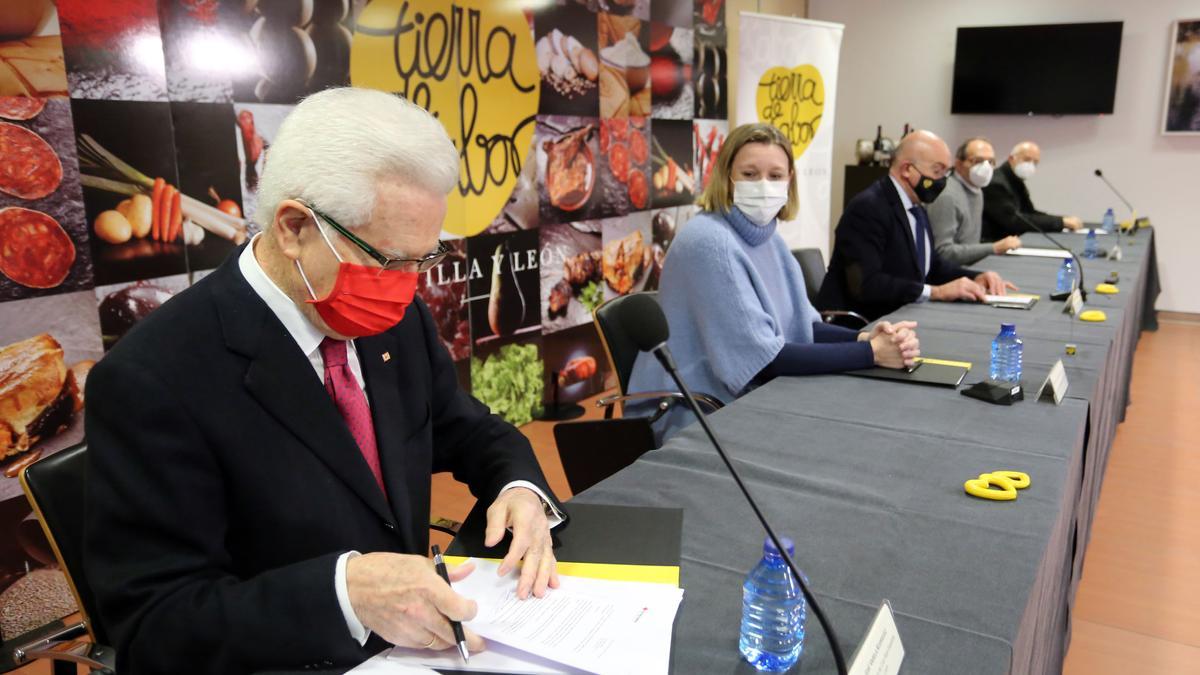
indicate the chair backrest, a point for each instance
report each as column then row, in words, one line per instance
column 593, row 450
column 812, row 266
column 622, row 351
column 56, row 486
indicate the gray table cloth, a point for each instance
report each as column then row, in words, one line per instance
column 867, row 477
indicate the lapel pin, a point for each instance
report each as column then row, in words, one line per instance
column 387, row 356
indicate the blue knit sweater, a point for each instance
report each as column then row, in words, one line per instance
column 736, row 304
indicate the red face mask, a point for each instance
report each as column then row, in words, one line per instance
column 364, row 300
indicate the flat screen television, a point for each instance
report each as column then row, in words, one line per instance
column 1052, row 69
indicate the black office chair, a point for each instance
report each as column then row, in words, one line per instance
column 55, row 487
column 812, row 266
column 622, row 352
column 593, row 450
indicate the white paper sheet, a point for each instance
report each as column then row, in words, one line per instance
column 1011, row 300
column 1039, row 252
column 584, row 626
column 596, row 625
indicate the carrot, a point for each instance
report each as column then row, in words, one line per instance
column 164, row 213
column 155, row 206
column 176, row 215
column 671, row 174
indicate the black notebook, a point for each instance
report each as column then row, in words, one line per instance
column 595, row 533
column 935, row 372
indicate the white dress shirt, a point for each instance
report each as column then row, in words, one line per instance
column 912, row 225
column 309, row 339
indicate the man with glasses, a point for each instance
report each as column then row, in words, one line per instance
column 1007, row 207
column 883, row 253
column 957, row 214
column 261, row 447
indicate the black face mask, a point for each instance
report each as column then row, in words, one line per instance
column 927, row 189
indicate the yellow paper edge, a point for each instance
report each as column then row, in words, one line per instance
column 652, row 574
column 944, row 362
column 1025, row 295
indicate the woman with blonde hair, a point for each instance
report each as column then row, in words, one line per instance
column 734, row 295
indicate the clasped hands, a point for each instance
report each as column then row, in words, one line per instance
column 895, row 345
column 403, row 600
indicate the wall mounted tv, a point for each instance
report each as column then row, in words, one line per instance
column 1052, row 69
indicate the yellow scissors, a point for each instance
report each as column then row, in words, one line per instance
column 997, row 485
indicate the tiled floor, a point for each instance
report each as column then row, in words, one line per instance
column 1138, row 607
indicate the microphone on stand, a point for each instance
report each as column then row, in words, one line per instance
column 1078, row 262
column 646, row 325
column 1129, row 206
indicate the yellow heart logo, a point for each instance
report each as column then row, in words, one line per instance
column 794, row 101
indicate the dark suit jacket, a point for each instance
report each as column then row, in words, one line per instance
column 873, row 269
column 223, row 483
column 1003, row 199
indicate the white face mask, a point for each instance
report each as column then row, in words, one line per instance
column 760, row 200
column 981, row 174
column 1025, row 170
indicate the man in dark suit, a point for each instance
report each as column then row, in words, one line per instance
column 1006, row 199
column 883, row 253
column 261, row 446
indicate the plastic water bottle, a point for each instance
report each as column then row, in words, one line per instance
column 1090, row 250
column 773, row 613
column 1110, row 222
column 1066, row 276
column 1007, row 351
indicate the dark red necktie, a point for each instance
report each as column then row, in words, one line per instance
column 351, row 401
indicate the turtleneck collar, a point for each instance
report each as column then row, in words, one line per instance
column 751, row 232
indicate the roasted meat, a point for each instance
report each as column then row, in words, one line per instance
column 624, row 262
column 579, row 270
column 569, row 169
column 37, row 393
column 560, row 297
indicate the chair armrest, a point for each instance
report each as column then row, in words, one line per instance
column 445, row 526
column 831, row 315
column 58, row 647
column 668, row 397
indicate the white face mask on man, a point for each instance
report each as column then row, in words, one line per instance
column 980, row 174
column 1025, row 170
column 760, row 200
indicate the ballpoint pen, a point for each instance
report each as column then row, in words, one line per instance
column 440, row 565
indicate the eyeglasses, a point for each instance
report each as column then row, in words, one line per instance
column 386, row 264
column 972, row 161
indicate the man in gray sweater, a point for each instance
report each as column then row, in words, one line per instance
column 957, row 215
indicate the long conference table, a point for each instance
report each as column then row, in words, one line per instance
column 867, row 477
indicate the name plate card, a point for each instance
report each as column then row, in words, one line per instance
column 1055, row 384
column 1074, row 303
column 881, row 652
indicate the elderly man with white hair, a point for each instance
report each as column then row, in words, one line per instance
column 261, row 447
column 1007, row 207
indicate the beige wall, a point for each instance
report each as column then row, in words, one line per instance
column 797, row 8
column 881, row 84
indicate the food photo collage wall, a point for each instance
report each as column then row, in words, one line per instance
column 133, row 133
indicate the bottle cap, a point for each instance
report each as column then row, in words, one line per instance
column 769, row 546
column 1008, row 327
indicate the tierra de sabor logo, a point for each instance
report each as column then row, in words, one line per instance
column 472, row 64
column 794, row 101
